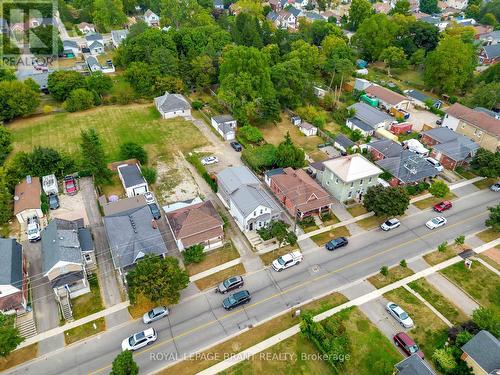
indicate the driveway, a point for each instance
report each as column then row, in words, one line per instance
column 71, row 208
column 419, row 117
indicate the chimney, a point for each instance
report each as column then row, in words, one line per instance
column 154, row 224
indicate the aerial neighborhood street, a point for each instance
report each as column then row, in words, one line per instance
column 247, row 187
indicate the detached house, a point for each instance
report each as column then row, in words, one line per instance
column 413, row 365
column 71, row 48
column 86, row 28
column 132, row 179
column 13, row 277
column 225, row 125
column 407, row 168
column 248, row 202
column 196, row 224
column 95, row 43
column 482, row 354
column 299, row 193
column 420, row 99
column 490, row 54
column 387, row 98
column 367, row 119
column 172, row 105
column 27, row 203
column 283, row 19
column 151, row 18
column 385, row 148
column 118, row 36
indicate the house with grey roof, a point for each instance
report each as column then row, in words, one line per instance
column 488, row 38
column 70, row 48
column 248, row 202
column 367, row 119
column 420, row 99
column 172, row 105
column 132, row 180
column 343, row 143
column 41, row 78
column 218, row 4
column 482, row 353
column 151, row 18
column 13, row 277
column 413, row 365
column 490, row 54
column 118, row 36
column 407, row 168
column 132, row 235
column 225, row 125
column 385, row 148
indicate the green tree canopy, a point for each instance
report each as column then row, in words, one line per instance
column 99, row 83
column 401, row 7
column 5, row 144
column 486, row 163
column 485, row 95
column 493, row 220
column 79, row 100
column 62, row 82
column 6, row 199
column 124, row 364
column 429, row 6
column 394, row 57
column 17, row 99
column 9, row 334
column 289, row 155
column 108, row 13
column 488, row 319
column 293, row 85
column 250, row 134
column 439, row 189
column 358, row 12
column 247, row 31
column 132, row 150
column 43, row 43
column 93, row 156
column 374, row 35
column 386, row 201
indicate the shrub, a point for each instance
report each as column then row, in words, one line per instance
column 444, row 359
column 439, row 189
column 193, row 254
column 131, row 150
column 460, row 240
column 79, row 100
column 44, row 203
column 384, row 270
column 307, row 222
column 194, row 159
column 250, row 134
column 260, row 158
column 47, row 109
column 197, row 105
column 403, row 263
column 442, row 246
column 326, row 216
column 149, row 174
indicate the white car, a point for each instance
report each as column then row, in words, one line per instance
column 209, row 160
column 149, row 197
column 155, row 314
column 287, row 260
column 390, row 224
column 139, row 340
column 399, row 314
column 437, row 222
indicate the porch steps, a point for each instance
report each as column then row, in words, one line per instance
column 25, row 323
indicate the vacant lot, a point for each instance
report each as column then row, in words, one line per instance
column 116, row 124
column 214, row 258
column 395, row 274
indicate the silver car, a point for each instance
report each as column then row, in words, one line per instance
column 495, row 187
column 155, row 314
column 227, row 285
column 399, row 314
column 390, row 224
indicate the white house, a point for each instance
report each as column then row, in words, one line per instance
column 151, row 18
column 27, row 203
column 95, row 43
column 86, row 28
column 308, row 129
column 118, row 36
column 172, row 105
column 95, row 66
column 225, row 126
column 132, row 180
column 71, row 45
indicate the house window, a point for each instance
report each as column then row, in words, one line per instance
column 255, row 213
column 337, row 181
column 361, row 182
column 88, row 258
column 370, row 180
column 349, row 195
column 261, row 211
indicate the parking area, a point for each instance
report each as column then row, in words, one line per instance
column 71, row 208
column 418, row 118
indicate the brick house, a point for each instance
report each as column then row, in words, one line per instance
column 13, row 277
column 385, row 148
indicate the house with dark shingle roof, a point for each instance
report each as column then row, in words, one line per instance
column 367, row 119
column 420, row 99
column 225, row 125
column 132, row 180
column 413, row 365
column 482, row 353
column 407, row 168
column 385, row 148
column 343, row 143
column 13, row 277
column 490, row 54
column 196, row 224
column 172, row 105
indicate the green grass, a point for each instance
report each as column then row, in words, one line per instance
column 214, row 258
column 357, row 210
column 84, row 331
column 438, row 301
column 431, row 201
column 19, row 356
column 481, row 283
column 322, row 238
column 395, row 274
column 371, row 222
column 488, row 235
column 116, row 124
column 429, row 331
column 437, row 256
column 89, row 303
column 267, row 258
column 485, row 183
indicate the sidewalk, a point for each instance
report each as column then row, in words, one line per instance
column 216, row 269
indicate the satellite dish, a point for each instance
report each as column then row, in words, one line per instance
column 16, row 198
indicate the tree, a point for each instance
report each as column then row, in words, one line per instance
column 485, row 95
column 193, row 254
column 202, row 71
column 124, row 364
column 386, row 201
column 158, row 279
column 418, row 35
column 247, row 31
column 429, row 6
column 93, row 156
column 9, row 335
column 417, row 59
column 442, row 247
column 493, row 220
column 41, row 41
column 289, row 155
column 251, row 134
column 132, row 150
column 168, row 83
column 401, row 7
column 5, row 144
column 108, row 13
column 439, row 189
column 62, row 82
column 393, row 57
column 486, row 163
column 374, row 35
column 99, row 83
column 489, row 19
column 292, row 84
column 445, row 360
column 17, row 99
column 384, row 270
column 149, row 174
column 142, row 77
column 6, row 199
column 7, row 73
column 450, row 66
column 79, row 100
column 460, row 240
column 358, row 12
column 487, row 319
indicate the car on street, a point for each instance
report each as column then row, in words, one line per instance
column 155, row 314
column 287, row 261
column 139, row 340
column 336, row 243
column 155, row 211
column 443, row 206
column 495, row 187
column 229, row 284
column 236, row 146
column 236, row 299
column 390, row 224
column 70, row 185
column 437, row 222
column 399, row 314
column 408, row 346
column 53, row 201
column 209, row 160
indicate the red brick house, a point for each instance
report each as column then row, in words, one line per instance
column 13, row 277
column 385, row 148
column 298, row 192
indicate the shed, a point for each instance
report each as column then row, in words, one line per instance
column 369, row 100
column 49, row 184
column 361, row 84
column 132, row 180
column 343, row 143
column 401, row 128
column 308, row 129
column 296, row 120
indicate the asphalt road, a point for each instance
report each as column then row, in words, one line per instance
column 199, row 321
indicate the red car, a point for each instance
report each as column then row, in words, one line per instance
column 70, row 185
column 443, row 206
column 404, row 341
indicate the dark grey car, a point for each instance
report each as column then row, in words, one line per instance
column 155, row 211
column 229, row 284
column 53, row 201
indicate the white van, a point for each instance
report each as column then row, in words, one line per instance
column 435, row 163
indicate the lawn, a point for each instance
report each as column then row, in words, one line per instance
column 438, row 301
column 213, row 280
column 322, row 238
column 488, row 235
column 481, row 283
column 253, row 336
column 333, row 220
column 371, row 222
column 318, row 155
column 89, row 303
column 429, row 331
column 431, row 201
column 214, row 258
column 141, row 306
column 395, row 274
column 84, row 331
column 115, row 187
column 116, row 124
column 485, row 183
column 357, row 210
column 492, row 257
column 437, row 256
column 19, row 356
column 267, row 258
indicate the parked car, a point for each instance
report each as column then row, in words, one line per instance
column 229, row 284
column 287, row 260
column 439, row 121
column 149, row 197
column 495, row 187
column 336, row 243
column 390, row 224
column 437, row 222
column 209, row 160
column 53, row 201
column 404, row 341
column 399, row 314
column 155, row 314
column 236, row 299
column 139, row 340
column 236, row 146
column 155, row 211
column 443, row 206
column 435, row 164
column 70, row 185
column 33, row 229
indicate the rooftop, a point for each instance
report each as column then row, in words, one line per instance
column 414, row 365
column 352, row 167
column 476, row 118
column 408, row 167
column 131, row 174
column 172, row 102
column 11, row 262
column 27, row 195
column 384, row 94
column 484, row 349
column 387, row 147
column 369, row 115
column 122, row 205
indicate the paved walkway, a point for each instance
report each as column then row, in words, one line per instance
column 216, row 269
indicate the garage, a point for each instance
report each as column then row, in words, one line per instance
column 132, row 180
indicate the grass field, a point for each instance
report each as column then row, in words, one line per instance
column 84, row 331
column 431, row 201
column 213, row 280
column 89, row 303
column 395, row 274
column 486, row 183
column 116, row 124
column 19, row 356
column 214, row 258
column 268, row 257
column 322, row 238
